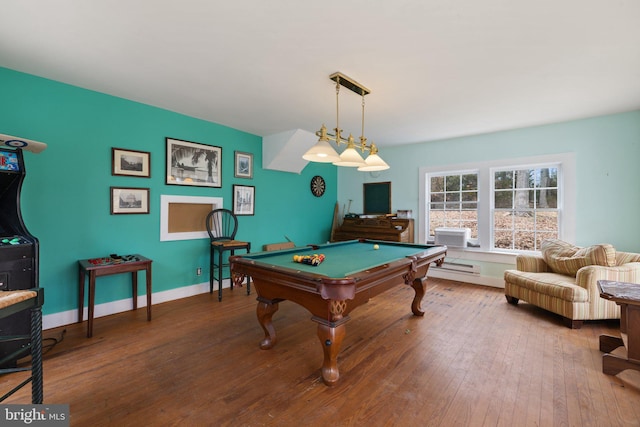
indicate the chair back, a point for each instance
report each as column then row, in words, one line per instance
column 222, row 224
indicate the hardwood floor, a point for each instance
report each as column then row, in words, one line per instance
column 472, row 360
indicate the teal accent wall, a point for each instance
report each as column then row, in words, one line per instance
column 607, row 151
column 66, row 198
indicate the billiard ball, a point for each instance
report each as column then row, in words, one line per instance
column 376, row 247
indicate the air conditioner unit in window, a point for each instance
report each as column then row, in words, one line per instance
column 452, row 236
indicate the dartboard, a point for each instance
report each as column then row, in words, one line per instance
column 317, row 186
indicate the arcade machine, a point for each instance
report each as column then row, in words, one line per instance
column 18, row 248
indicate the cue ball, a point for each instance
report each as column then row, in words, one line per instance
column 376, row 247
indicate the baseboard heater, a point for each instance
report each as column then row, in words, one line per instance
column 460, row 267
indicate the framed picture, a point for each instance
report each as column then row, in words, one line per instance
column 244, row 165
column 129, row 200
column 192, row 163
column 244, row 197
column 130, row 162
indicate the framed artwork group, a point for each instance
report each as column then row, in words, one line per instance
column 187, row 163
column 130, row 200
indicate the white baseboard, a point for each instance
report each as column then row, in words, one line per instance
column 475, row 279
column 68, row 317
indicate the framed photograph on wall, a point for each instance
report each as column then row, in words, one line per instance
column 192, row 163
column 129, row 200
column 243, row 165
column 244, row 197
column 130, row 162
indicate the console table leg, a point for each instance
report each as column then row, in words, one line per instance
column 149, row 292
column 91, row 303
column 81, row 295
column 134, row 289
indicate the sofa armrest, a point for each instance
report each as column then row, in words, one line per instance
column 587, row 277
column 531, row 263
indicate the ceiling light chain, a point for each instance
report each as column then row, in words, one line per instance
column 363, row 140
column 325, row 153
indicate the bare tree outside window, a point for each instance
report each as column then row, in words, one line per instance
column 525, row 208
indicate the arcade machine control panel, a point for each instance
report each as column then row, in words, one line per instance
column 14, row 240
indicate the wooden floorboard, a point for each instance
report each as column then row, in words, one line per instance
column 472, row 360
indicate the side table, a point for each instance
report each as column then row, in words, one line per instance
column 627, row 296
column 96, row 267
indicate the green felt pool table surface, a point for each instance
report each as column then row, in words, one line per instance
column 341, row 259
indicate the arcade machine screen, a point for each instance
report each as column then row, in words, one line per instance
column 9, row 161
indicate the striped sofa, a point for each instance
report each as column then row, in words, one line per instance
column 563, row 279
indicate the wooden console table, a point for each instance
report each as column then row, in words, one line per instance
column 97, row 267
column 627, row 296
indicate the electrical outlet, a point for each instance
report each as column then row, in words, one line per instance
column 199, row 271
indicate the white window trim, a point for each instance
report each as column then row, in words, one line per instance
column 567, row 216
column 445, row 174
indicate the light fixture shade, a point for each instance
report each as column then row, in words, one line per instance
column 350, row 158
column 322, row 152
column 373, row 163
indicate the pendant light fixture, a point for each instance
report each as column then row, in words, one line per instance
column 324, row 152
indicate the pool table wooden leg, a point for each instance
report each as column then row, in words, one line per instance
column 418, row 285
column 265, row 311
column 331, row 341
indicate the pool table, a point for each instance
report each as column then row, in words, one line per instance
column 351, row 273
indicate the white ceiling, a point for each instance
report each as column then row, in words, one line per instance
column 436, row 68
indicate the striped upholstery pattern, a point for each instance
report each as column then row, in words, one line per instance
column 564, row 258
column 553, row 284
column 626, row 257
column 575, row 298
column 531, row 263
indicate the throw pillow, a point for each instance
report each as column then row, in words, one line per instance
column 565, row 258
column 603, row 254
column 555, row 253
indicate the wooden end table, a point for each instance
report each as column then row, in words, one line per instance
column 627, row 296
column 96, row 267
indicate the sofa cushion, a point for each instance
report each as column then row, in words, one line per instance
column 551, row 284
column 565, row 258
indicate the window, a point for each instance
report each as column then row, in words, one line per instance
column 453, row 201
column 525, row 207
column 510, row 205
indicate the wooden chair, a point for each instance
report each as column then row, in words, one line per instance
column 12, row 302
column 222, row 226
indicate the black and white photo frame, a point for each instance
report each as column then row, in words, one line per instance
column 192, row 163
column 244, row 197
